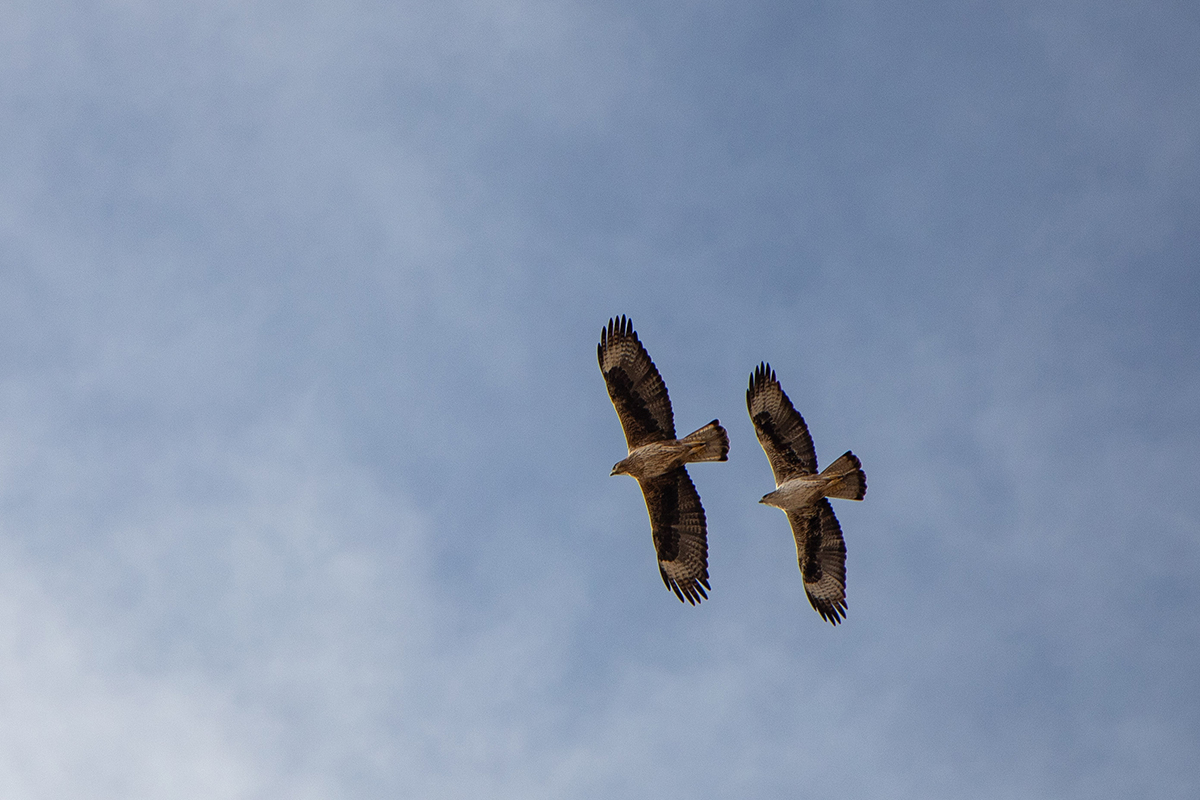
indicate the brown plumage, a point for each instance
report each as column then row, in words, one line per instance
column 656, row 459
column 801, row 491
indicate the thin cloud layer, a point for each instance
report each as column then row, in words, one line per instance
column 304, row 451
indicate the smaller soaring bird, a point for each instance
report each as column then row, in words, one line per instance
column 802, row 492
column 656, row 459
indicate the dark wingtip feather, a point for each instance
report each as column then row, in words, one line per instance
column 762, row 375
column 692, row 592
column 618, row 327
column 830, row 615
column 833, row 614
column 695, row 593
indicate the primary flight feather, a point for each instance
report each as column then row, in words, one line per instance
column 656, row 459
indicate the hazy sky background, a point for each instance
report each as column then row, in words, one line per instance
column 304, row 451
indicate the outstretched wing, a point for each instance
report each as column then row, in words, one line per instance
column 680, row 534
column 634, row 385
column 781, row 430
column 822, row 555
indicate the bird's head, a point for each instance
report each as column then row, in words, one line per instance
column 770, row 500
column 620, row 468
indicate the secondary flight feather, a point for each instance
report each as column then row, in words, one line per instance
column 803, row 493
column 656, row 459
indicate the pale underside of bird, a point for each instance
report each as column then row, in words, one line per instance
column 656, row 459
column 803, row 493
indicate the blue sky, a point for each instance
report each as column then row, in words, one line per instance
column 304, row 451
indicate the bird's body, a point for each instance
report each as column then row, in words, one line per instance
column 803, row 493
column 840, row 479
column 796, row 493
column 656, row 459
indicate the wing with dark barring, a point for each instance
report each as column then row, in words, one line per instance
column 636, row 389
column 781, row 430
column 680, row 534
column 821, row 551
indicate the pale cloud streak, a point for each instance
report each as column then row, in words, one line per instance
column 304, row 451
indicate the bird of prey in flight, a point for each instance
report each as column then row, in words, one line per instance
column 803, row 493
column 656, row 459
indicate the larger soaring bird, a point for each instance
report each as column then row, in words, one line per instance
column 802, row 492
column 656, row 458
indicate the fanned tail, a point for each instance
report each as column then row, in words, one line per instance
column 710, row 443
column 846, row 478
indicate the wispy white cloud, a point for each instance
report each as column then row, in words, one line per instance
column 73, row 728
column 303, row 451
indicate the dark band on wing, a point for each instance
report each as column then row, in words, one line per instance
column 679, row 527
column 634, row 385
column 780, row 428
column 632, row 408
column 822, row 555
column 780, row 449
